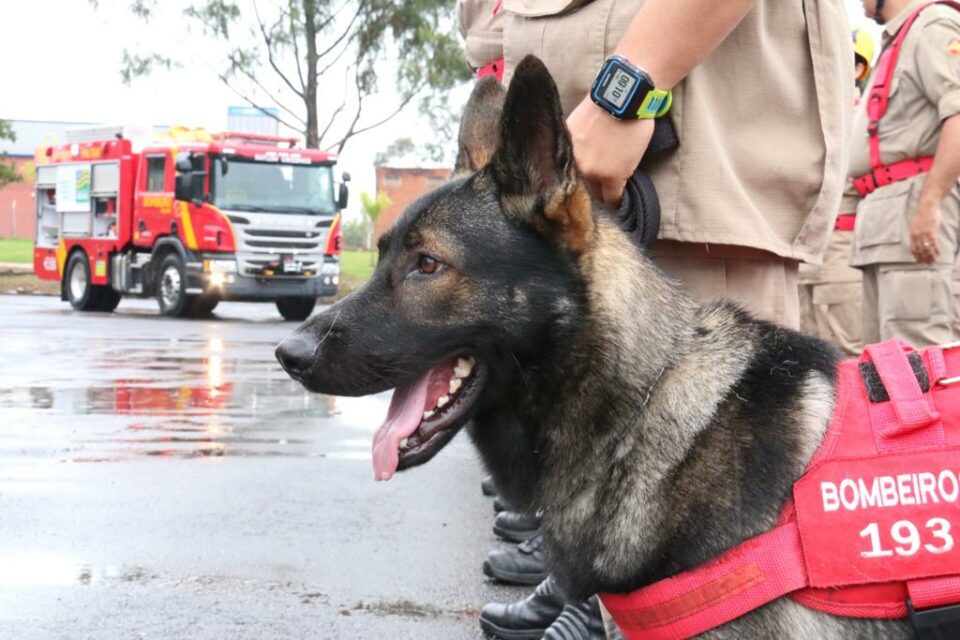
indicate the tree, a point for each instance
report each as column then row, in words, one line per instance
column 8, row 172
column 372, row 207
column 277, row 56
column 355, row 234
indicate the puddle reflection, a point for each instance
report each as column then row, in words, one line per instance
column 190, row 398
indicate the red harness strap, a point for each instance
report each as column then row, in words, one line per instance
column 865, row 533
column 845, row 222
column 496, row 67
column 877, row 101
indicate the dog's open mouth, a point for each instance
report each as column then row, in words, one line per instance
column 425, row 414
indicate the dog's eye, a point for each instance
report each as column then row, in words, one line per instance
column 427, row 264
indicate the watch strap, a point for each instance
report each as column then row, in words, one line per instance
column 655, row 104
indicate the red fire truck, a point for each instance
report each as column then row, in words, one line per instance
column 192, row 218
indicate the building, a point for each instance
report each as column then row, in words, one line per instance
column 403, row 185
column 16, row 200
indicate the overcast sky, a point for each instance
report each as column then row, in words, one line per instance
column 60, row 60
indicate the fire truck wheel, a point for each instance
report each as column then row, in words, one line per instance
column 172, row 287
column 203, row 306
column 76, row 281
column 296, row 308
column 107, row 298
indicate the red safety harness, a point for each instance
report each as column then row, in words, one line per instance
column 496, row 67
column 877, row 101
column 873, row 525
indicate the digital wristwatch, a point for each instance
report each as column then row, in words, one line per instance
column 627, row 92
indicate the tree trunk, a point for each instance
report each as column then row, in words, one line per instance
column 310, row 90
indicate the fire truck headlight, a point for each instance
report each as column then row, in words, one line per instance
column 217, row 279
column 220, row 266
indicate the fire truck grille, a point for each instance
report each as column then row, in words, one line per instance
column 273, row 245
column 283, row 234
column 260, row 247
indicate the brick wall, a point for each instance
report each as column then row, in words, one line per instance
column 403, row 186
column 17, row 212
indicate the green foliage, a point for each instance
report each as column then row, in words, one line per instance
column 20, row 251
column 8, row 172
column 354, row 234
column 357, row 264
column 285, row 53
column 372, row 207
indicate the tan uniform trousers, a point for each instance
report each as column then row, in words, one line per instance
column 956, row 301
column 830, row 297
column 762, row 283
column 912, row 302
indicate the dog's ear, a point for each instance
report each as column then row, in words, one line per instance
column 534, row 165
column 480, row 126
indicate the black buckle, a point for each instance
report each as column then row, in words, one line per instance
column 939, row 623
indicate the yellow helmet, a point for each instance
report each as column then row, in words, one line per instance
column 863, row 51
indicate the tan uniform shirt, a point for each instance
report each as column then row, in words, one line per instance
column 763, row 122
column 924, row 91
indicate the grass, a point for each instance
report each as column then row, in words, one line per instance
column 16, row 251
column 357, row 265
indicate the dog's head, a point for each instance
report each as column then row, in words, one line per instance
column 475, row 278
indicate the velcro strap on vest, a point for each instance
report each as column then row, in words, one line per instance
column 890, row 173
column 911, row 409
column 745, row 578
column 876, row 392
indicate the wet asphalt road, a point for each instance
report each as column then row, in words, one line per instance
column 165, row 479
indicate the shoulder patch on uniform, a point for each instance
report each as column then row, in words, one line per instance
column 954, row 46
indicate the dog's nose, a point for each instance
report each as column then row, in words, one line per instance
column 295, row 355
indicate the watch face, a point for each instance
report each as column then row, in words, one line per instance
column 619, row 87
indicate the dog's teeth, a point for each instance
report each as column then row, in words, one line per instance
column 455, row 384
column 404, row 443
column 427, row 415
column 464, row 367
column 443, row 401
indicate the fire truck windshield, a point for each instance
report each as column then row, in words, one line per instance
column 274, row 188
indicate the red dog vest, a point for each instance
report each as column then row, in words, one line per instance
column 874, row 523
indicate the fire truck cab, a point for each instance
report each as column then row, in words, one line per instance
column 191, row 218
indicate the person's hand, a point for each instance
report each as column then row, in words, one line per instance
column 607, row 150
column 924, row 230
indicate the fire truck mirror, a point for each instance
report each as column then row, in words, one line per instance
column 189, row 187
column 184, row 163
column 346, row 176
column 343, row 196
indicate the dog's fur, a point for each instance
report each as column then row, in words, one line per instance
column 653, row 432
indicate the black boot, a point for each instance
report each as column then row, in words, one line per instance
column 527, row 618
column 523, row 564
column 514, row 526
column 499, row 504
column 487, row 487
column 578, row 622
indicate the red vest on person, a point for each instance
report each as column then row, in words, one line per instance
column 873, row 526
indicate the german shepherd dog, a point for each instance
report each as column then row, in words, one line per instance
column 653, row 433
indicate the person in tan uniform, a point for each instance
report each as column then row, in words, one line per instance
column 905, row 161
column 830, row 293
column 762, row 92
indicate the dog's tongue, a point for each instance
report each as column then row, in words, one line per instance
column 403, row 418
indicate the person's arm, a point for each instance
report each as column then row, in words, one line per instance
column 668, row 38
column 943, row 176
column 938, row 75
